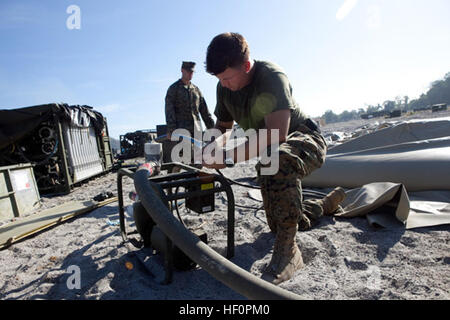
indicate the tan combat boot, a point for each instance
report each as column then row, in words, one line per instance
column 314, row 209
column 330, row 203
column 286, row 257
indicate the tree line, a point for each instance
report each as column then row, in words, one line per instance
column 439, row 92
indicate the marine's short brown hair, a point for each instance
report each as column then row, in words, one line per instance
column 226, row 50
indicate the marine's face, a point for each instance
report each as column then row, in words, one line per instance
column 187, row 74
column 234, row 78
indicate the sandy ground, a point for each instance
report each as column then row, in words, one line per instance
column 344, row 258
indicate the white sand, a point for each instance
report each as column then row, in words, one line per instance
column 345, row 258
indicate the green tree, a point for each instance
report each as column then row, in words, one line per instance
column 389, row 105
column 330, row 117
column 371, row 109
column 439, row 92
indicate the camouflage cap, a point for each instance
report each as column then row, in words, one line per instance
column 188, row 65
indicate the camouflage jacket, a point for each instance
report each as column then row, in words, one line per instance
column 184, row 105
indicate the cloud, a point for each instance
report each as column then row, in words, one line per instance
column 345, row 9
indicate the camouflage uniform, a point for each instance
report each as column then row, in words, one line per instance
column 303, row 152
column 184, row 105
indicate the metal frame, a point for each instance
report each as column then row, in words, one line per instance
column 220, row 268
column 192, row 176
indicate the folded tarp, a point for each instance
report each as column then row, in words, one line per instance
column 428, row 209
column 401, row 172
column 389, row 205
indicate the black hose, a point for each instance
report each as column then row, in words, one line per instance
column 222, row 269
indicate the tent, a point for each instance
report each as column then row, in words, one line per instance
column 403, row 168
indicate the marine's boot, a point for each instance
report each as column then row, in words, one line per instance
column 267, row 203
column 314, row 209
column 286, row 257
column 330, row 203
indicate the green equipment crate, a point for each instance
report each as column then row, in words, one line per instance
column 18, row 191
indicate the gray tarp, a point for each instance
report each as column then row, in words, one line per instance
column 402, row 170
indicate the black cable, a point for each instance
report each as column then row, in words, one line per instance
column 176, row 208
column 248, row 207
column 305, row 192
column 237, row 183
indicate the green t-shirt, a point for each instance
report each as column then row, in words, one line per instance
column 268, row 91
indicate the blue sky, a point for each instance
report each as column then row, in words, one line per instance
column 338, row 54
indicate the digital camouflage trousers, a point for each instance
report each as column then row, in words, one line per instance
column 302, row 152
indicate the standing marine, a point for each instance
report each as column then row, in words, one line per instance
column 184, row 103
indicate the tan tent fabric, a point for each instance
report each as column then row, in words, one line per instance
column 388, row 205
column 383, row 168
column 429, row 208
column 428, row 213
column 416, row 154
column 366, row 199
